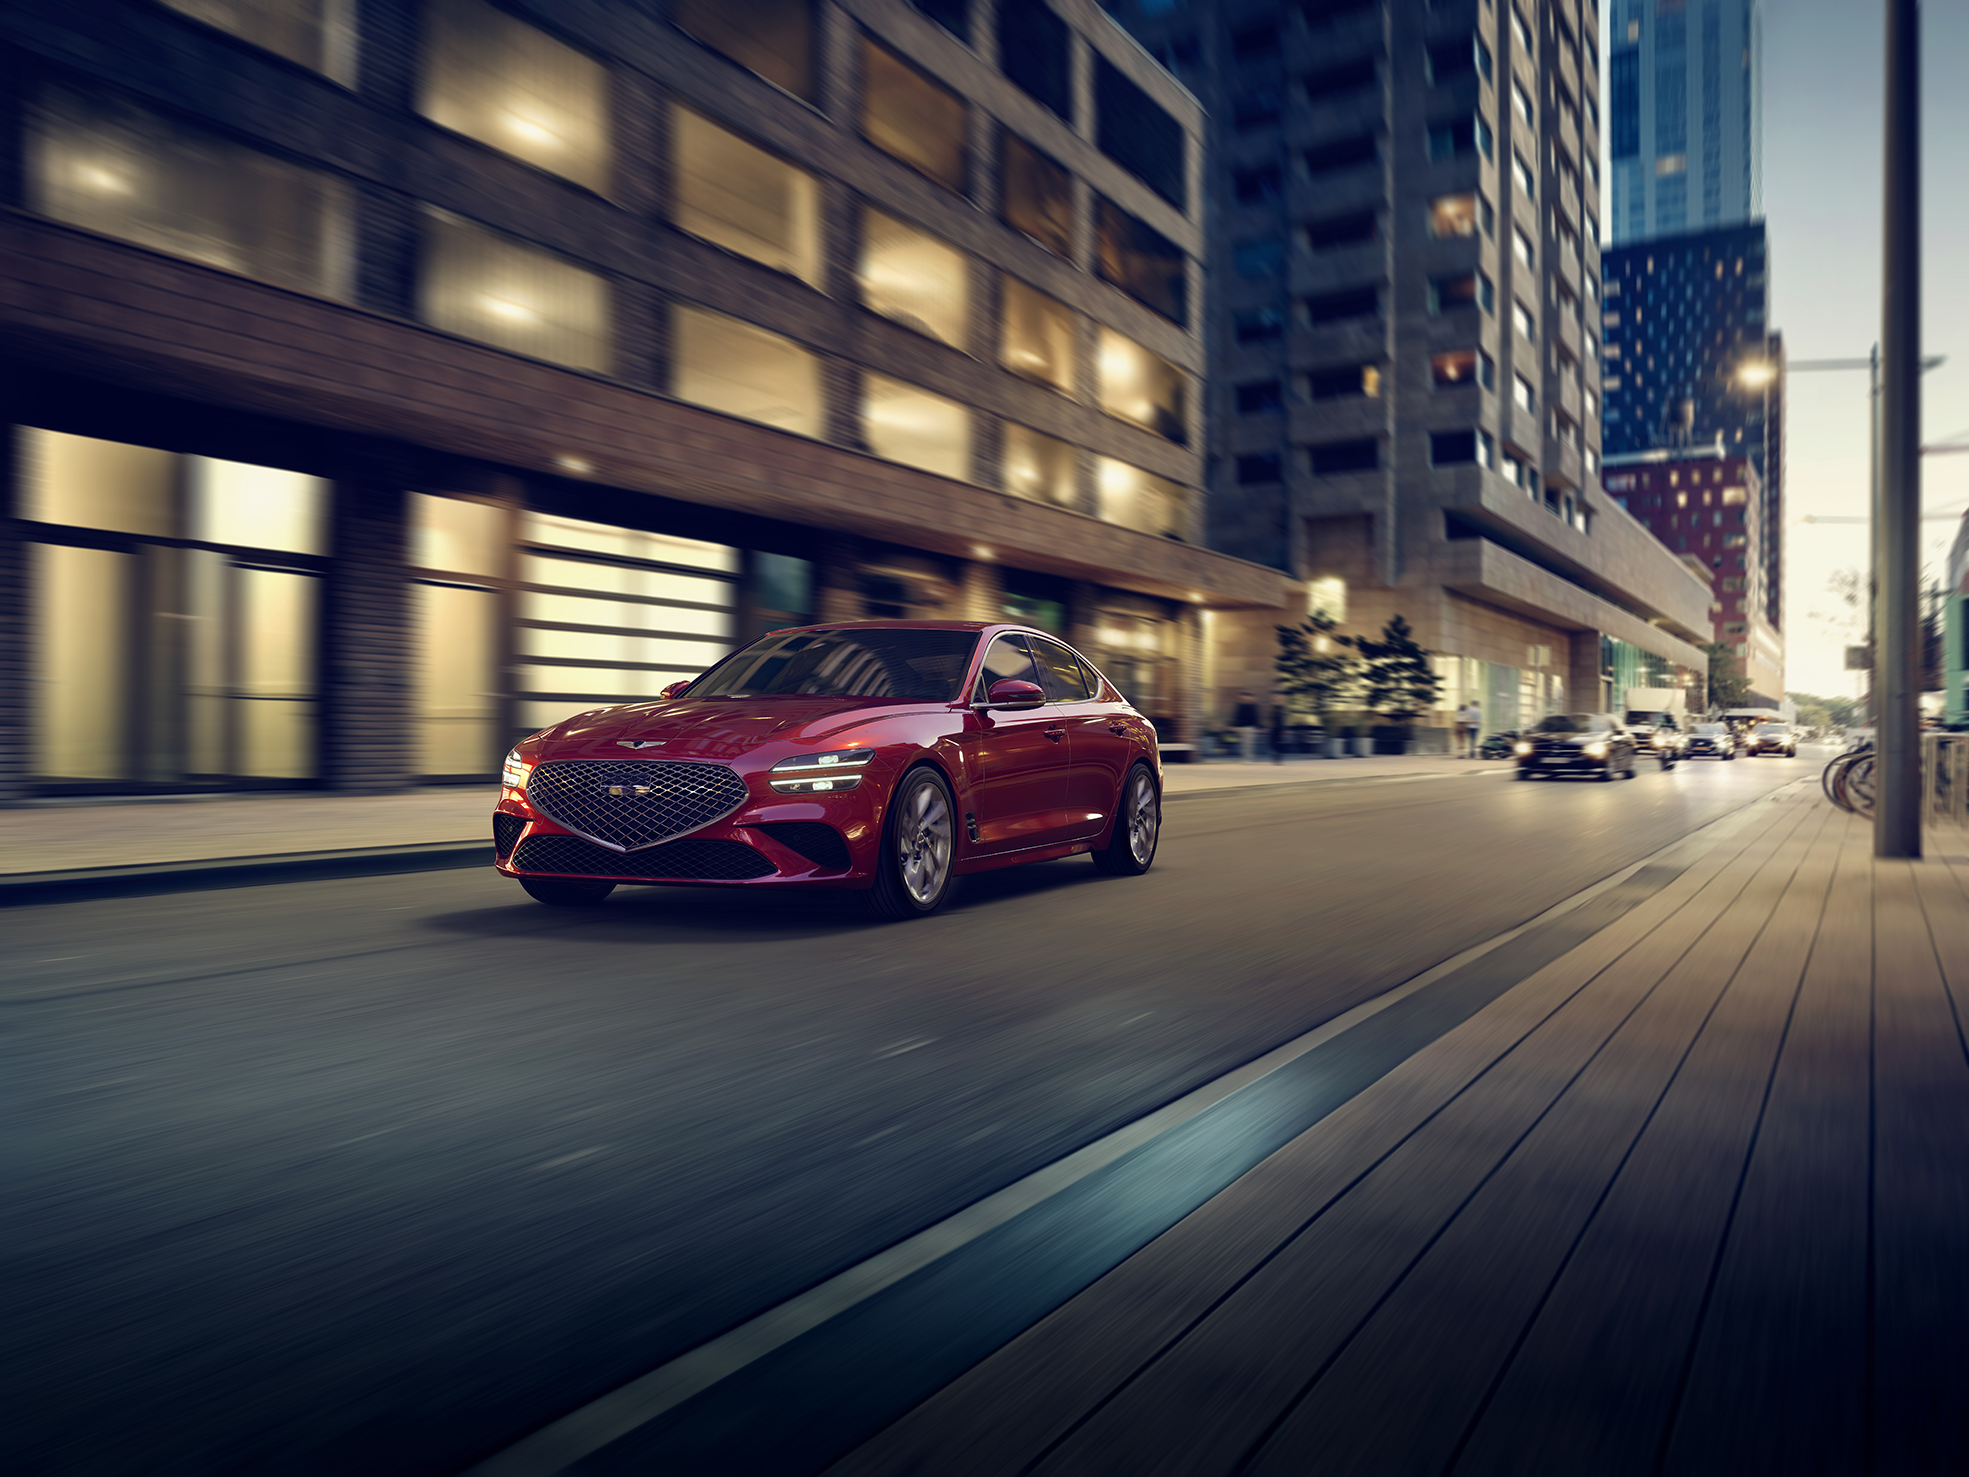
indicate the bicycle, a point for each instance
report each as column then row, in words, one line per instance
column 1848, row 781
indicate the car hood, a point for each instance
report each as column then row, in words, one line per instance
column 711, row 728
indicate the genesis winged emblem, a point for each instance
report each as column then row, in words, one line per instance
column 640, row 743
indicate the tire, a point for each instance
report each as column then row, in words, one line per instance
column 1524, row 774
column 566, row 892
column 915, row 870
column 1137, row 827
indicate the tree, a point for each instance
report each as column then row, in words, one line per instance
column 1821, row 712
column 1396, row 680
column 1313, row 665
column 1728, row 687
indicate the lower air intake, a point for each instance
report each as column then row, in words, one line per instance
column 699, row 861
column 505, row 831
column 817, row 841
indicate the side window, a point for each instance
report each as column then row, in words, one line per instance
column 1007, row 659
column 1064, row 681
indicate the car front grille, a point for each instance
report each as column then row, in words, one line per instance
column 631, row 804
column 703, row 861
column 817, row 841
column 505, row 831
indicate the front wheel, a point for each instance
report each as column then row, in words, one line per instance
column 566, row 892
column 1137, row 826
column 915, row 871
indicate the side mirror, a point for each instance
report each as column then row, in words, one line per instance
column 1009, row 692
column 675, row 689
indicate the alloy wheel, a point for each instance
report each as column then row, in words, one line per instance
column 1142, row 818
column 924, row 839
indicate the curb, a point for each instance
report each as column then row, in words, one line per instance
column 246, row 871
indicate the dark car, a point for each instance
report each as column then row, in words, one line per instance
column 1711, row 741
column 1592, row 744
column 884, row 757
column 1659, row 732
column 1772, row 738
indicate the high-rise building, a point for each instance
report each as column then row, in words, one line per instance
column 1683, row 110
column 380, row 382
column 1690, row 362
column 1705, row 505
column 1404, row 390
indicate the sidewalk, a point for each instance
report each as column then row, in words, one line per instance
column 438, row 827
column 1688, row 1198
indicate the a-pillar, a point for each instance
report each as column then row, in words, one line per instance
column 368, row 678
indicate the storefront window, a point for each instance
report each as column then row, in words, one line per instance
column 736, row 195
column 128, row 173
column 494, row 78
column 457, row 548
column 481, row 285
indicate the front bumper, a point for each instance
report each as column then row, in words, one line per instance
column 1562, row 763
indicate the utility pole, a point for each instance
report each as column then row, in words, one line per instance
column 1897, row 511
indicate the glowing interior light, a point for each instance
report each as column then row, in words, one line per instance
column 574, row 464
column 512, row 312
column 532, row 132
column 102, row 180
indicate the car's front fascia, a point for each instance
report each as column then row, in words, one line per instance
column 895, row 736
column 1565, row 753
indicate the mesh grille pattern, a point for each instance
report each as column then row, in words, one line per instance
column 817, row 841
column 505, row 831
column 600, row 797
column 711, row 861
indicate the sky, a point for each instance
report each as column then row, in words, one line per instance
column 1823, row 87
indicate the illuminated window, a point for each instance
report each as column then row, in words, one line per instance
column 1140, row 261
column 1141, row 500
column 1733, row 497
column 506, row 84
column 316, row 33
column 901, row 423
column 1520, row 101
column 905, row 114
column 1037, row 196
column 736, row 195
column 1521, row 319
column 725, row 365
column 130, row 174
column 1038, row 467
column 1452, row 369
column 1521, row 246
column 451, row 535
column 1344, row 382
column 912, row 277
column 257, row 507
column 1453, row 215
column 774, row 38
column 484, row 286
column 1036, row 338
column 1142, row 388
column 1521, row 393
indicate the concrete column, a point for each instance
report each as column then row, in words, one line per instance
column 837, row 589
column 368, row 672
column 982, row 597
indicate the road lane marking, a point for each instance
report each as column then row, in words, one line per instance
column 561, row 1443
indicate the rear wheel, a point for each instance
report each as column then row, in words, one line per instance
column 1137, row 826
column 566, row 892
column 914, row 871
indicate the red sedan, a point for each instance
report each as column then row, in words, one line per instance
column 887, row 757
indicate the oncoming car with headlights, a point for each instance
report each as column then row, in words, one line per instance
column 1576, row 743
column 888, row 758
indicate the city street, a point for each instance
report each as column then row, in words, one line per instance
column 382, row 1174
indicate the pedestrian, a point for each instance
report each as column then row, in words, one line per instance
column 1245, row 719
column 1469, row 726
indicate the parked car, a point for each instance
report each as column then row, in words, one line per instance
column 1772, row 738
column 884, row 757
column 1593, row 744
column 1498, row 745
column 1711, row 741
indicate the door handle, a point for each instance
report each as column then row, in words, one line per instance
column 1120, row 730
column 1056, row 734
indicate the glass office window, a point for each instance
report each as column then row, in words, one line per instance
column 901, row 423
column 1036, row 196
column 906, row 114
column 485, row 286
column 457, row 680
column 81, row 679
column 498, row 80
column 1139, row 134
column 723, row 364
column 1038, row 467
column 1142, row 388
column 912, row 277
column 1036, row 336
column 774, row 38
column 316, row 33
column 274, row 690
column 128, row 173
column 1141, row 261
column 736, row 195
column 261, row 507
column 86, row 483
column 454, row 536
column 1141, row 500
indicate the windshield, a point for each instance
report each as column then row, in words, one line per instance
column 891, row 663
column 1711, row 729
column 1777, row 728
column 1571, row 723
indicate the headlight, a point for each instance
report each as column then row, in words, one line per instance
column 1521, row 747
column 1662, row 741
column 813, row 774
column 513, row 773
column 1596, row 750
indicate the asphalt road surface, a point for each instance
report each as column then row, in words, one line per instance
column 378, row 1175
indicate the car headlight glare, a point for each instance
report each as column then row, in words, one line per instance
column 1661, row 741
column 513, row 773
column 1521, row 747
column 1596, row 750
column 819, row 774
